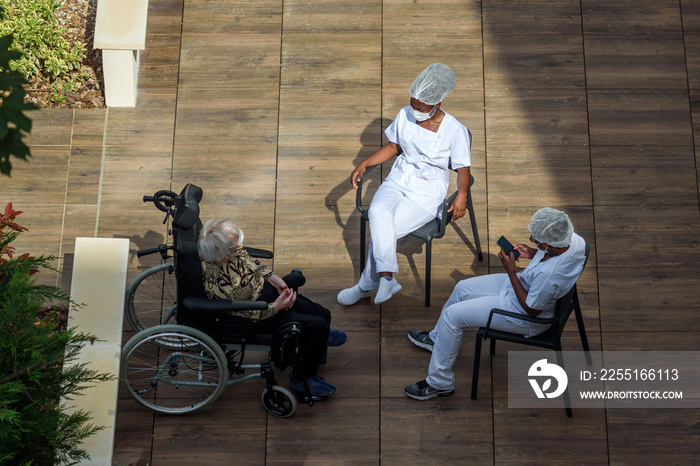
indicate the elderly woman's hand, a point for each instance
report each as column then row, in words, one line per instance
column 277, row 282
column 285, row 300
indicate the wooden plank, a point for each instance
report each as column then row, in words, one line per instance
column 405, row 55
column 252, row 61
column 88, row 127
column 580, row 440
column 160, row 62
column 134, row 434
column 131, row 171
column 336, row 125
column 648, row 236
column 690, row 11
column 633, row 435
column 452, row 429
column 325, row 432
column 664, row 299
column 537, row 117
column 646, row 175
column 329, row 17
column 692, row 59
column 22, row 189
column 429, row 18
column 307, row 174
column 531, row 17
column 149, row 125
column 232, row 17
column 229, row 427
column 630, row 17
column 614, row 62
column 324, row 61
column 639, row 117
column 563, row 175
column 235, row 117
column 164, row 17
column 534, row 61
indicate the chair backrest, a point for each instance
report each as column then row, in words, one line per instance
column 567, row 303
column 186, row 228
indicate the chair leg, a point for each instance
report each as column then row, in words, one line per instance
column 428, row 266
column 492, row 350
column 581, row 327
column 567, row 399
column 362, row 243
column 477, row 362
column 475, row 230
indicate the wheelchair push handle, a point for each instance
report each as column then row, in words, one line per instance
column 162, row 249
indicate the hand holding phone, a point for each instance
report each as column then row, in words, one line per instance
column 507, row 246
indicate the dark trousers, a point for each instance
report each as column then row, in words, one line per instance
column 314, row 319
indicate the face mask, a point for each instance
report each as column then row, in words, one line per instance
column 420, row 116
column 240, row 238
column 537, row 243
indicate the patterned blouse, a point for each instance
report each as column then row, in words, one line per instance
column 240, row 278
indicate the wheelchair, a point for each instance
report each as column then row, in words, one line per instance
column 188, row 348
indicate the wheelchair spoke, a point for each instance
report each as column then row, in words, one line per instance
column 151, row 298
column 185, row 376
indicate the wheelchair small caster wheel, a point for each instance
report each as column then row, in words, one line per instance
column 279, row 401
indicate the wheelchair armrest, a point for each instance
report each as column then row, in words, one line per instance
column 259, row 253
column 358, row 195
column 516, row 315
column 215, row 306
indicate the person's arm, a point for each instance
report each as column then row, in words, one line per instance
column 277, row 282
column 382, row 155
column 520, row 291
column 459, row 205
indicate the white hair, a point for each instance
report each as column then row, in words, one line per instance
column 215, row 242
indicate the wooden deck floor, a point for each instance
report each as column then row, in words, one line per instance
column 589, row 106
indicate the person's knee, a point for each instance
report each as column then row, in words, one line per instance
column 455, row 319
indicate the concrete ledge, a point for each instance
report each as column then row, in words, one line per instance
column 121, row 24
column 120, row 31
column 98, row 283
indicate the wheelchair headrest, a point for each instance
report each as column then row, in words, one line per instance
column 187, row 207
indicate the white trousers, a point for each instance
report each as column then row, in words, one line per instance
column 469, row 306
column 392, row 215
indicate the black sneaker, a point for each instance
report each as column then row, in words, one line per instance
column 421, row 339
column 422, row 391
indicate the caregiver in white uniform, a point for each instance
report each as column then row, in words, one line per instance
column 430, row 141
column 555, row 266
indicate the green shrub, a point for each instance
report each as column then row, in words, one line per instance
column 41, row 40
column 37, row 367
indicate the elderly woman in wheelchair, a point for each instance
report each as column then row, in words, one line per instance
column 230, row 273
column 197, row 317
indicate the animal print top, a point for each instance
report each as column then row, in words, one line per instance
column 240, row 278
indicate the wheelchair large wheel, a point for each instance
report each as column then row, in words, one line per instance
column 176, row 379
column 279, row 401
column 151, row 298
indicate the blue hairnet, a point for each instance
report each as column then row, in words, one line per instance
column 433, row 84
column 552, row 227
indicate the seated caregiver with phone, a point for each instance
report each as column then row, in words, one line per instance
column 556, row 263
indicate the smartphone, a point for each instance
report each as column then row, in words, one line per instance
column 507, row 246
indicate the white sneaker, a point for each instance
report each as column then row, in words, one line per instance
column 387, row 289
column 350, row 296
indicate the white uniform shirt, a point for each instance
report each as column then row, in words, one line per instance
column 422, row 169
column 545, row 282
